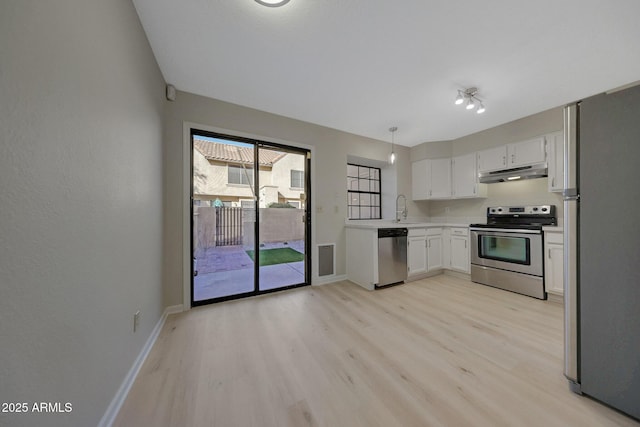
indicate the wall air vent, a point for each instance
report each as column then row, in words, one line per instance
column 326, row 259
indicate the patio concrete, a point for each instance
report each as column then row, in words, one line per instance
column 228, row 270
column 225, row 283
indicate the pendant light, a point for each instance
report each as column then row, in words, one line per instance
column 392, row 156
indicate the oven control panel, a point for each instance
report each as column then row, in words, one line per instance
column 521, row 210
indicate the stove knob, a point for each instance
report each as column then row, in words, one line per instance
column 500, row 210
column 544, row 209
column 536, row 209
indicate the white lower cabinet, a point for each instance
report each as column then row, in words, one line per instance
column 434, row 249
column 459, row 249
column 416, row 251
column 553, row 262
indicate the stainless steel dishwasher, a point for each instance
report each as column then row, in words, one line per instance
column 392, row 256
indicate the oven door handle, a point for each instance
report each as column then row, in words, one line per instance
column 505, row 230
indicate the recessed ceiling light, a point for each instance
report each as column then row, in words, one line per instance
column 272, row 3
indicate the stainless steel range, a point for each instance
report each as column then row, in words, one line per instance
column 507, row 251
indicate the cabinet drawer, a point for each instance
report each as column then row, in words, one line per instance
column 553, row 237
column 434, row 231
column 413, row 232
column 459, row 231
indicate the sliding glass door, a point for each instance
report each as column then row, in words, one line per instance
column 250, row 228
column 282, row 219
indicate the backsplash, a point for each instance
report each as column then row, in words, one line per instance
column 527, row 192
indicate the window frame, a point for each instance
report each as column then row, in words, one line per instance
column 300, row 180
column 359, row 203
column 243, row 176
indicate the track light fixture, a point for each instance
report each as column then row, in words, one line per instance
column 471, row 95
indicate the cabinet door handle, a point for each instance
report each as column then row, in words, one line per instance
column 553, row 182
column 504, row 160
column 465, row 244
column 549, row 253
column 513, row 158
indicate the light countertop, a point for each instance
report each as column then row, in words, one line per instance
column 377, row 224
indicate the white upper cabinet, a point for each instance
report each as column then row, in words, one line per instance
column 526, row 153
column 420, row 179
column 555, row 161
column 492, row 159
column 464, row 173
column 431, row 179
column 514, row 155
column 446, row 178
column 440, row 179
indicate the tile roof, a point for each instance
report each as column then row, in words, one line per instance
column 235, row 154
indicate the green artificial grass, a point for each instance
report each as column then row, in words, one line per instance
column 277, row 256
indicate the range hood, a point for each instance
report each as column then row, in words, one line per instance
column 538, row 170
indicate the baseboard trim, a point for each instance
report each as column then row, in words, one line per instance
column 114, row 407
column 329, row 279
column 555, row 298
column 458, row 274
column 173, row 309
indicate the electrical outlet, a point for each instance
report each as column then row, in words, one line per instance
column 136, row 320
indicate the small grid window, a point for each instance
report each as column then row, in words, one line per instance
column 240, row 175
column 363, row 192
column 297, row 179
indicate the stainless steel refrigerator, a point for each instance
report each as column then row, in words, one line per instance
column 602, row 248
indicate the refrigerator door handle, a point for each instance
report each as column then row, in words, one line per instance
column 570, row 239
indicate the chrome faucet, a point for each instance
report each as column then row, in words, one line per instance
column 402, row 212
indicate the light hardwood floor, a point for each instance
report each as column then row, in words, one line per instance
column 436, row 352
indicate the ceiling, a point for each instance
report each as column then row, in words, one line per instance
column 362, row 66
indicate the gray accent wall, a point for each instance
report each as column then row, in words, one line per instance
column 81, row 112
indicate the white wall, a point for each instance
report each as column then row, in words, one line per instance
column 81, row 109
column 329, row 160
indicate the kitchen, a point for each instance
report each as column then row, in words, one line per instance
column 450, row 213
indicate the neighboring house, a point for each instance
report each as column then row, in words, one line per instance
column 225, row 172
